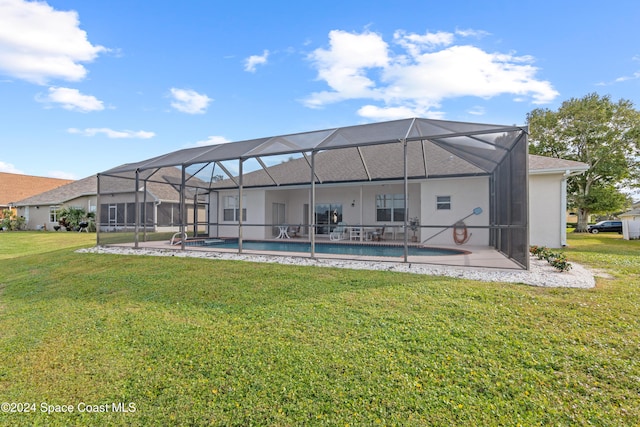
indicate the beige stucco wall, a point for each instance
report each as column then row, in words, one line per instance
column 545, row 208
column 546, row 214
column 38, row 216
column 466, row 195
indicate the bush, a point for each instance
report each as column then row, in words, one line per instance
column 558, row 260
column 11, row 222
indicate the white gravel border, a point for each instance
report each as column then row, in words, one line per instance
column 540, row 273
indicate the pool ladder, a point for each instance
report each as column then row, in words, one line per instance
column 173, row 241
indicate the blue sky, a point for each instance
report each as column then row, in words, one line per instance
column 88, row 85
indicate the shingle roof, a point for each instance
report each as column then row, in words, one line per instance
column 161, row 186
column 541, row 164
column 83, row 187
column 14, row 187
column 384, row 162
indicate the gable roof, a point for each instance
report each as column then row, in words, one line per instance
column 164, row 185
column 14, row 187
column 83, row 187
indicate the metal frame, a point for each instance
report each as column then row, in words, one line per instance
column 499, row 152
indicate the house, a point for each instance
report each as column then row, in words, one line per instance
column 161, row 198
column 14, row 187
column 450, row 200
column 631, row 224
column 451, row 178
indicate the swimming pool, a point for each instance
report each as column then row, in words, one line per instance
column 327, row 248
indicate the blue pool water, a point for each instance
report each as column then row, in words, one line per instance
column 329, row 248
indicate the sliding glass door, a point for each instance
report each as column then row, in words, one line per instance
column 328, row 215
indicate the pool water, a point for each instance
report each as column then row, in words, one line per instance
column 331, row 248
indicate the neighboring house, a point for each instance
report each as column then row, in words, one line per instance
column 41, row 211
column 117, row 207
column 15, row 187
column 631, row 224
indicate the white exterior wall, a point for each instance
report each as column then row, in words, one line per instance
column 546, row 208
column 547, row 221
column 466, row 195
column 254, row 203
column 362, row 197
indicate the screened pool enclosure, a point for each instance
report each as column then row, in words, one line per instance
column 408, row 182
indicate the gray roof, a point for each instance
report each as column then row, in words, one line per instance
column 541, row 164
column 73, row 190
column 483, row 145
column 384, row 163
column 632, row 212
column 163, row 185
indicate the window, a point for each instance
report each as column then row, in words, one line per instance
column 390, row 207
column 53, row 213
column 230, row 209
column 443, row 203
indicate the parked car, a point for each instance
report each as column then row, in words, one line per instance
column 603, row 226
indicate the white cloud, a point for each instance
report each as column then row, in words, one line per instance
column 110, row 133
column 9, row 168
column 38, row 43
column 343, row 66
column 253, row 61
column 422, row 71
column 477, row 111
column 189, row 101
column 61, row 175
column 72, row 99
column 472, row 33
column 212, row 140
column 376, row 113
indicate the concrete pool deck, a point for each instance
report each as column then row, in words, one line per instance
column 473, row 256
column 480, row 263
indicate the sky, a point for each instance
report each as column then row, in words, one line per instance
column 88, row 85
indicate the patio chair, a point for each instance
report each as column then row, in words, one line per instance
column 378, row 234
column 294, row 231
column 339, row 233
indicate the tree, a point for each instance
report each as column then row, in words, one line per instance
column 596, row 131
column 70, row 217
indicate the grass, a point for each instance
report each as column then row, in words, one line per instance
column 204, row 342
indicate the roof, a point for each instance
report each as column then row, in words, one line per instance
column 384, row 163
column 83, row 187
column 14, row 187
column 631, row 213
column 482, row 145
column 161, row 185
column 542, row 165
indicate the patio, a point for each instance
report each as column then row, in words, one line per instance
column 366, row 175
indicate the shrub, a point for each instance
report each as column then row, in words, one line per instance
column 558, row 260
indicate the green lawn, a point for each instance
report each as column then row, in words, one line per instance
column 198, row 342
